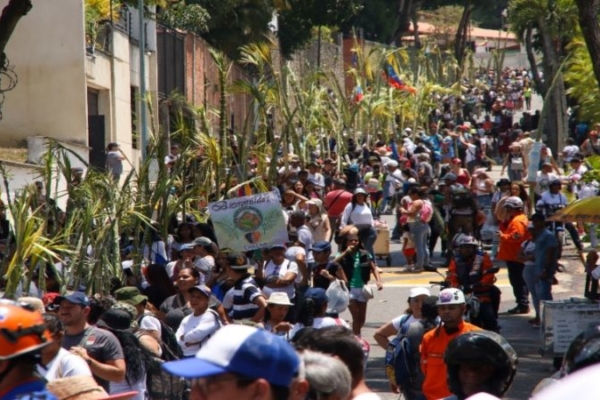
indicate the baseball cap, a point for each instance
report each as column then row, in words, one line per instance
column 242, row 350
column 322, row 245
column 419, row 291
column 456, row 161
column 78, row 298
column 513, row 202
column 130, row 295
column 237, row 261
column 115, row 320
column 277, row 246
column 187, row 246
column 451, row 176
column 318, row 295
column 450, row 296
column 360, row 191
column 205, row 290
column 202, row 241
column 392, row 163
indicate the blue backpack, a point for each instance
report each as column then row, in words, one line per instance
column 401, row 353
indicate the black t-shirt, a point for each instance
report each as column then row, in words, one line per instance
column 100, row 344
column 318, row 280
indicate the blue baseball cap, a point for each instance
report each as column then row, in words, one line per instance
column 78, row 298
column 243, row 350
column 322, row 245
column 318, row 295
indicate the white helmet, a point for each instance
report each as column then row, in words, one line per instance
column 465, row 240
column 450, row 296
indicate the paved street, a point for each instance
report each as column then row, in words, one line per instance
column 392, row 301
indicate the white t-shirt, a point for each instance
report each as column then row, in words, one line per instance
column 396, row 321
column 205, row 266
column 410, row 244
column 150, row 323
column 569, row 152
column 318, row 323
column 196, row 330
column 471, row 153
column 65, row 364
column 318, row 177
column 361, row 215
column 542, row 182
column 123, row 387
column 395, row 179
column 280, row 271
column 291, row 254
column 528, row 248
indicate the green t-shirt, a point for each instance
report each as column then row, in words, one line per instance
column 356, row 280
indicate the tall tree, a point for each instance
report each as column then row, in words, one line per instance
column 300, row 16
column 588, row 21
column 11, row 14
column 462, row 35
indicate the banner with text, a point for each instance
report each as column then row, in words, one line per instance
column 249, row 223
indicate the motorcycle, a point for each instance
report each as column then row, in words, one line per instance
column 472, row 313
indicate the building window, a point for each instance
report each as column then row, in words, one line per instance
column 133, row 97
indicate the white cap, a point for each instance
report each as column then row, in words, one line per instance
column 407, row 130
column 392, row 163
column 450, row 296
column 513, row 202
column 279, row 298
column 419, row 291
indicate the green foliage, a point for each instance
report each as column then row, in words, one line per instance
column 235, row 23
column 378, row 19
column 582, row 83
column 300, row 16
column 188, row 17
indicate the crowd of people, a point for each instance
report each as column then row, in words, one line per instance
column 206, row 322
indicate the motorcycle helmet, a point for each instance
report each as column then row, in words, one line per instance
column 583, row 351
column 466, row 240
column 485, row 348
column 22, row 331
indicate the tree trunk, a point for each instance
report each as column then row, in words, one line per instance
column 414, row 16
column 588, row 20
column 11, row 14
column 535, row 71
column 460, row 42
column 403, row 17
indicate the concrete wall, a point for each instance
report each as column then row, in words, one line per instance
column 47, row 51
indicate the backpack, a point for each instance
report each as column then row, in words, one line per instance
column 170, row 347
column 401, row 353
column 426, row 212
column 160, row 385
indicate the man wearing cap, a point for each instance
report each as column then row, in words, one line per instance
column 249, row 303
column 195, row 329
column 451, row 307
column 325, row 271
column 98, row 347
column 114, row 161
column 305, row 236
column 543, row 179
column 315, row 175
column 204, row 250
column 146, row 321
column 241, row 362
column 512, row 235
column 336, row 201
column 393, row 182
column 293, row 167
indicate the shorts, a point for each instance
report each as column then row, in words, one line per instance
column 409, row 252
column 356, row 294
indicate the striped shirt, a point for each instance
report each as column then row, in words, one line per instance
column 245, row 291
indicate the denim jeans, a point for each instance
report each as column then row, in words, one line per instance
column 484, row 201
column 529, row 275
column 515, row 175
column 420, row 233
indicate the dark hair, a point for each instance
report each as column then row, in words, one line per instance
column 157, row 276
column 306, row 312
column 337, row 341
column 53, row 324
column 416, row 190
column 138, row 357
column 193, row 271
column 538, row 216
column 98, row 305
column 184, row 225
column 207, row 230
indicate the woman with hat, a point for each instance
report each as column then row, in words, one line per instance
column 138, row 357
column 84, row 388
column 359, row 213
column 278, row 306
column 196, row 328
column 318, row 222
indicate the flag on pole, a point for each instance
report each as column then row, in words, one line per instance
column 358, row 93
column 395, row 81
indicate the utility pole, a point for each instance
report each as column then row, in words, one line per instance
column 142, row 43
